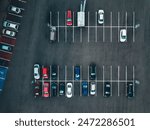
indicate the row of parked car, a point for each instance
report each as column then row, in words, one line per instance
column 8, row 38
column 53, row 87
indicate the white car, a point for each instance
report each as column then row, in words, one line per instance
column 123, row 35
column 69, row 90
column 9, row 33
column 11, row 25
column 36, row 71
column 101, row 16
column 15, row 9
column 92, row 88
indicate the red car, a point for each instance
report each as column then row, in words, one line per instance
column 45, row 73
column 46, row 89
column 69, row 18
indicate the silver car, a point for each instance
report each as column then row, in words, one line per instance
column 15, row 9
column 36, row 71
column 52, row 33
column 9, row 33
column 101, row 16
column 9, row 24
column 92, row 88
column 69, row 90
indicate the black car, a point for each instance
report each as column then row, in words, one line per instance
column 61, row 88
column 92, row 72
column 130, row 90
column 107, row 89
column 37, row 90
column 54, row 72
column 53, row 89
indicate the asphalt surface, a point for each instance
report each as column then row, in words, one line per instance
column 33, row 47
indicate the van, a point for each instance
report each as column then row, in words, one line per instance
column 52, row 33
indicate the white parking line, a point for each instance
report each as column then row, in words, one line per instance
column 88, row 81
column 15, row 15
column 80, row 34
column 65, row 29
column 50, row 78
column 111, row 78
column 50, row 18
column 133, row 26
column 58, row 81
column 118, row 26
column 58, row 26
column 118, row 80
column 103, row 78
column 110, row 26
column 65, row 74
column 81, row 81
column 73, row 29
column 133, row 80
column 126, row 78
column 96, row 26
column 103, row 32
column 8, row 36
column 126, row 24
column 23, row 1
column 73, row 78
column 88, row 26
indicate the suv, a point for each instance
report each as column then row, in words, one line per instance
column 77, row 72
column 100, row 16
column 123, row 35
column 130, row 89
column 54, row 72
column 107, row 89
column 11, row 25
column 52, row 33
column 92, row 72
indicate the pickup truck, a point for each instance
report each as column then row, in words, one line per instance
column 3, row 73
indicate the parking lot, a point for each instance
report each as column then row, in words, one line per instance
column 116, row 62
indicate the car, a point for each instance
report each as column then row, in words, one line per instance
column 92, row 72
column 52, row 33
column 101, row 16
column 69, row 90
column 54, row 72
column 14, row 9
column 107, row 89
column 85, row 88
column 54, row 89
column 36, row 71
column 130, row 89
column 69, row 18
column 46, row 89
column 45, row 74
column 77, row 73
column 37, row 89
column 11, row 25
column 6, row 47
column 61, row 89
column 92, row 88
column 123, row 35
column 9, row 33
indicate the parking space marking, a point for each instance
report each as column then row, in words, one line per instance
column 126, row 77
column 65, row 74
column 73, row 29
column 73, row 78
column 80, row 34
column 118, row 26
column 65, row 28
column 103, row 32
column 88, row 26
column 118, row 80
column 133, row 26
column 80, row 80
column 133, row 80
column 58, row 26
column 96, row 84
column 23, row 1
column 111, row 78
column 103, row 79
column 15, row 15
column 88, row 81
column 4, row 59
column 126, row 22
column 96, row 26
column 8, row 36
column 110, row 26
column 50, row 18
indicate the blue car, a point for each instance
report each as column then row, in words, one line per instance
column 77, row 72
column 85, row 88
